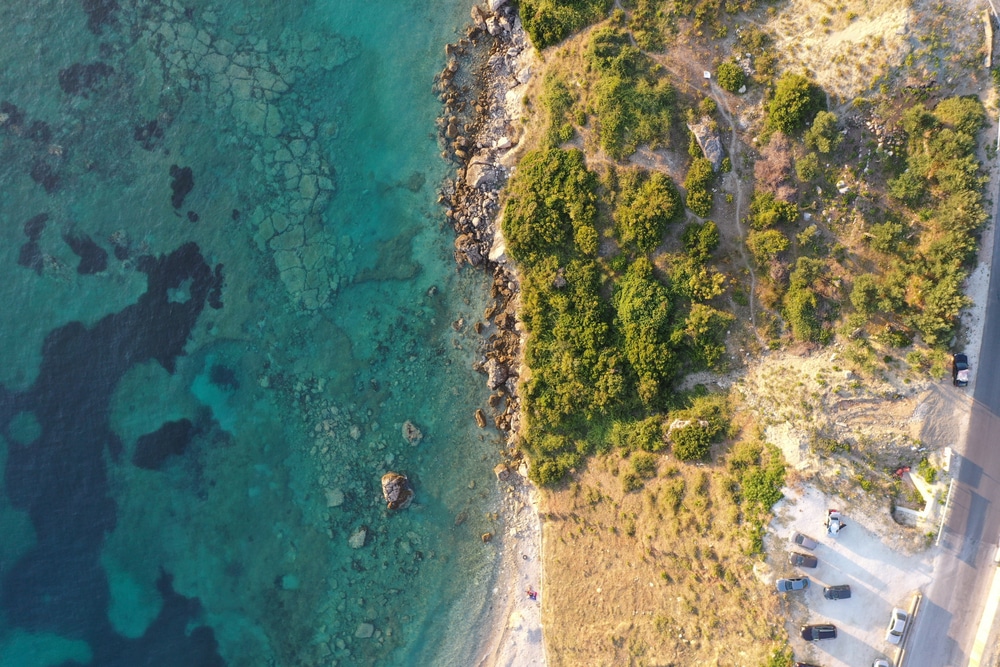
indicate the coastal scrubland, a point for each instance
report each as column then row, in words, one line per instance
column 839, row 216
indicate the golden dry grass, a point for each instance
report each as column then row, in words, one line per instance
column 653, row 577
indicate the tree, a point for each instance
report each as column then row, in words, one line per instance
column 864, row 294
column 807, row 167
column 644, row 311
column 963, row 114
column 824, row 135
column 696, row 183
column 730, row 76
column 796, row 101
column 700, row 240
column 766, row 245
column 649, row 204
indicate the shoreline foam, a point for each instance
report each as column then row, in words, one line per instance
column 482, row 89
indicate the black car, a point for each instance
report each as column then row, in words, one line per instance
column 802, row 560
column 839, row 592
column 960, row 370
column 815, row 633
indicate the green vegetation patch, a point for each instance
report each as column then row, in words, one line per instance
column 549, row 22
column 633, row 103
column 795, row 103
column 605, row 347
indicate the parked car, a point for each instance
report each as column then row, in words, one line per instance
column 804, row 541
column 897, row 626
column 834, row 522
column 960, row 370
column 796, row 584
column 838, row 592
column 815, row 633
column 881, row 662
column 802, row 560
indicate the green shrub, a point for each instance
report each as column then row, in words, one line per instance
column 697, row 183
column 864, row 294
column 730, row 76
column 700, row 240
column 644, row 464
column 644, row 309
column 709, row 417
column 795, row 103
column 807, row 167
column 824, row 135
column 766, row 245
column 631, row 482
column 647, row 204
column 767, row 211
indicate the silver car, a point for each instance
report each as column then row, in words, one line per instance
column 796, row 584
column 804, row 541
column 897, row 626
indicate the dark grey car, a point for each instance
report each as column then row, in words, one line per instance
column 815, row 633
column 838, row 592
column 802, row 560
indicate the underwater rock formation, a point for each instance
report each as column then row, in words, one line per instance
column 93, row 258
column 411, row 433
column 397, row 490
column 153, row 449
column 34, row 227
column 181, row 183
column 79, row 79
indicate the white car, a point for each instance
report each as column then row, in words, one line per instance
column 897, row 625
column 881, row 662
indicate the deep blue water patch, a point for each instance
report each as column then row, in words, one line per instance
column 153, row 449
column 93, row 258
column 60, row 478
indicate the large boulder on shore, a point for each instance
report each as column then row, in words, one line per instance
column 397, row 491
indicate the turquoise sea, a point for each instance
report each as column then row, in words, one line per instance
column 226, row 286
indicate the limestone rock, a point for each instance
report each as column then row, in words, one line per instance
column 480, row 418
column 334, row 497
column 397, row 491
column 496, row 4
column 411, row 433
column 497, row 374
column 480, row 172
column 364, row 631
column 709, row 141
column 358, row 537
column 502, row 471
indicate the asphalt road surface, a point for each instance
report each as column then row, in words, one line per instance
column 944, row 631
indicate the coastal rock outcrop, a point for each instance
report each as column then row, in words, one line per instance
column 397, row 491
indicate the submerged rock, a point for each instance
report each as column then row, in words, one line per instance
column 358, row 537
column 397, row 491
column 411, row 433
column 364, row 631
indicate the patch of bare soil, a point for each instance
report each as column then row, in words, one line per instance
column 657, row 576
column 849, row 44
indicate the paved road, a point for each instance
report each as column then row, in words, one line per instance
column 944, row 631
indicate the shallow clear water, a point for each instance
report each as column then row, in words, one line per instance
column 205, row 373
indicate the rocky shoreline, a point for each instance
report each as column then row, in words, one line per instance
column 481, row 89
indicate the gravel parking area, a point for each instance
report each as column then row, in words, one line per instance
column 880, row 579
